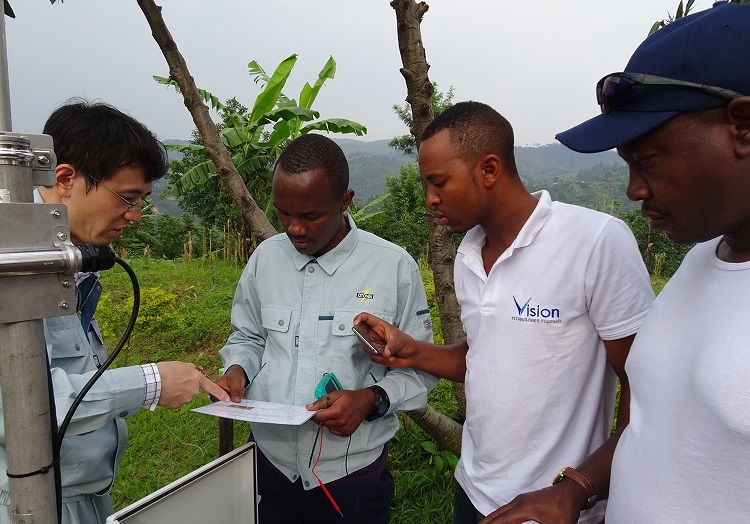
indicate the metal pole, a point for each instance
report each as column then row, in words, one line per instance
column 5, row 120
column 23, row 367
column 28, row 434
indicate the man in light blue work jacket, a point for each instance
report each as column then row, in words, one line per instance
column 292, row 318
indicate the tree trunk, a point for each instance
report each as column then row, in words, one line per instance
column 215, row 149
column 419, row 90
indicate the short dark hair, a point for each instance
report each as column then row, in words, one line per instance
column 476, row 130
column 310, row 152
column 99, row 140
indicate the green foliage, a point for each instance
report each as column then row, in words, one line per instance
column 662, row 257
column 658, row 283
column 172, row 233
column 407, row 144
column 429, row 286
column 189, row 301
column 369, row 212
column 161, row 236
column 423, row 494
column 682, row 11
column 443, row 399
column 157, row 313
column 601, row 187
column 404, row 219
column 212, row 204
column 442, row 460
column 254, row 139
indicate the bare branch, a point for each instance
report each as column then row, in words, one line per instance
column 215, row 149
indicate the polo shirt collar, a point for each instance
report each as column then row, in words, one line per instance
column 476, row 237
column 536, row 221
column 331, row 261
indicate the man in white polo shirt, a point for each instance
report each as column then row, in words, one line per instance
column 679, row 115
column 551, row 297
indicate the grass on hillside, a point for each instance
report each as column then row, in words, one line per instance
column 185, row 309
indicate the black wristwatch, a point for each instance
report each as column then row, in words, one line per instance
column 380, row 405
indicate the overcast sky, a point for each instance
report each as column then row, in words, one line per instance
column 535, row 61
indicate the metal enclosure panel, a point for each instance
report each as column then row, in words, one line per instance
column 222, row 491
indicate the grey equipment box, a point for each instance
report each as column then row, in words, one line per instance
column 223, row 491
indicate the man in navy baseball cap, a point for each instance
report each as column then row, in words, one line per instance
column 679, row 115
column 698, row 62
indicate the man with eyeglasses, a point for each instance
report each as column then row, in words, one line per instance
column 107, row 162
column 680, row 117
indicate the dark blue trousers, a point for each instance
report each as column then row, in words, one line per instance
column 285, row 502
column 464, row 511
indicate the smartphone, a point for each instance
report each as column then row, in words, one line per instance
column 365, row 341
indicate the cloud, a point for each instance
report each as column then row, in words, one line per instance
column 535, row 62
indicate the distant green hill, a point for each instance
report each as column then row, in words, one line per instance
column 552, row 166
column 591, row 180
column 556, row 160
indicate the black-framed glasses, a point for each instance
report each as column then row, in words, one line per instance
column 616, row 90
column 140, row 206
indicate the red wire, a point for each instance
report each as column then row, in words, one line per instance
column 322, row 485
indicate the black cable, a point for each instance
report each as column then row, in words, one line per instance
column 55, row 454
column 123, row 340
column 94, row 258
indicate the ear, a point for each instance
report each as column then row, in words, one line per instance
column 346, row 199
column 65, row 177
column 738, row 111
column 490, row 168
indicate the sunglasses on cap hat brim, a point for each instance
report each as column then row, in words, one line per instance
column 617, row 91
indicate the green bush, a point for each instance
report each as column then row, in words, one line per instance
column 158, row 313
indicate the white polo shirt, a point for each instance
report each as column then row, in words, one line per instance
column 540, row 393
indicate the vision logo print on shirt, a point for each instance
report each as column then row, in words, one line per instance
column 536, row 314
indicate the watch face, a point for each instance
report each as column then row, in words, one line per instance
column 558, row 476
column 381, row 407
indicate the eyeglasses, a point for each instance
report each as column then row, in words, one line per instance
column 616, row 90
column 140, row 206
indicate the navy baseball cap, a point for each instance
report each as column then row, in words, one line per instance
column 695, row 63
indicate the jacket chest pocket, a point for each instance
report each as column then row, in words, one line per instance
column 276, row 320
column 344, row 320
column 68, row 347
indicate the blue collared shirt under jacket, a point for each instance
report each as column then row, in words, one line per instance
column 97, row 436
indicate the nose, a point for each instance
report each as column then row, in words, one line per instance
column 296, row 227
column 135, row 214
column 637, row 187
column 430, row 196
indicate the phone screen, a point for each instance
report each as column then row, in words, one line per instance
column 366, row 342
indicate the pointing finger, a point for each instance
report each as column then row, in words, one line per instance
column 213, row 389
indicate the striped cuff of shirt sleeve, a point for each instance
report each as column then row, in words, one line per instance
column 152, row 380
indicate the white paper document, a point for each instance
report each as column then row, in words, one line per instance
column 258, row 411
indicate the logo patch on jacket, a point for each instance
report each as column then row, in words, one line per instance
column 365, row 295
